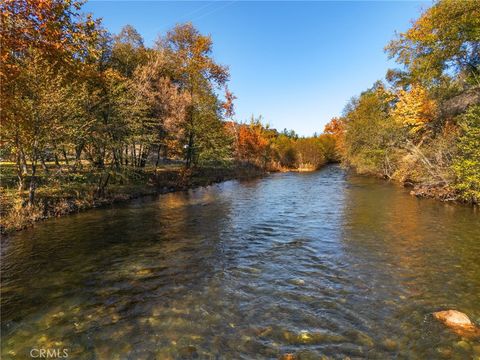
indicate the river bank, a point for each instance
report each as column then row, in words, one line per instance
column 440, row 191
column 55, row 200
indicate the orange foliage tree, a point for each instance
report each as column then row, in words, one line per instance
column 53, row 28
column 336, row 128
column 251, row 142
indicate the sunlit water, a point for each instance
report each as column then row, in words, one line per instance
column 310, row 264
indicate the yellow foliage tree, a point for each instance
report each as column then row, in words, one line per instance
column 415, row 109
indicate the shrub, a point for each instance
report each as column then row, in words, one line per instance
column 467, row 163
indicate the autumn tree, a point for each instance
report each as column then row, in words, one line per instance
column 43, row 46
column 416, row 110
column 38, row 117
column 444, row 41
column 328, row 145
column 336, row 128
column 128, row 51
column 370, row 134
column 253, row 145
column 284, row 149
column 310, row 152
column 193, row 69
column 440, row 55
column 165, row 105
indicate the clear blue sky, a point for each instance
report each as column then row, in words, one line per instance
column 295, row 63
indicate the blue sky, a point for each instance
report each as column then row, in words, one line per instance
column 294, row 63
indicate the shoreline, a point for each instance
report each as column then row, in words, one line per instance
column 162, row 181
column 176, row 180
column 159, row 183
column 436, row 191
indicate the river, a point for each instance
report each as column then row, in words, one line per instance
column 311, row 264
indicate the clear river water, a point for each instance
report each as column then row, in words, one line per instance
column 320, row 264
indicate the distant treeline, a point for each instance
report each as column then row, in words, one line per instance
column 79, row 97
column 423, row 126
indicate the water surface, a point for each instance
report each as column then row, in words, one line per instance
column 310, row 264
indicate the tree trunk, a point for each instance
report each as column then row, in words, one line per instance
column 117, row 160
column 165, row 152
column 33, row 178
column 144, row 156
column 134, row 155
column 140, row 154
column 65, row 157
column 102, row 184
column 189, row 155
column 158, row 155
column 20, row 173
column 23, row 162
column 44, row 165
column 120, row 155
column 57, row 162
column 78, row 154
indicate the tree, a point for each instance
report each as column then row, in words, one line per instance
column 228, row 105
column 444, row 41
column 336, row 129
column 370, row 133
column 284, row 148
column 37, row 113
column 328, row 144
column 56, row 29
column 310, row 152
column 252, row 145
column 193, row 69
column 415, row 109
column 165, row 107
column 128, row 51
column 44, row 43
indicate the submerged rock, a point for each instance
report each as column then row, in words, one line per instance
column 299, row 282
column 459, row 322
column 364, row 339
column 463, row 345
column 389, row 344
column 453, row 318
column 306, row 337
column 189, row 352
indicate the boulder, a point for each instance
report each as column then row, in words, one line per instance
column 453, row 318
column 458, row 322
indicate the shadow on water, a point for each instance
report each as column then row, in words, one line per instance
column 312, row 263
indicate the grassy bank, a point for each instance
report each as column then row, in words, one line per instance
column 62, row 191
